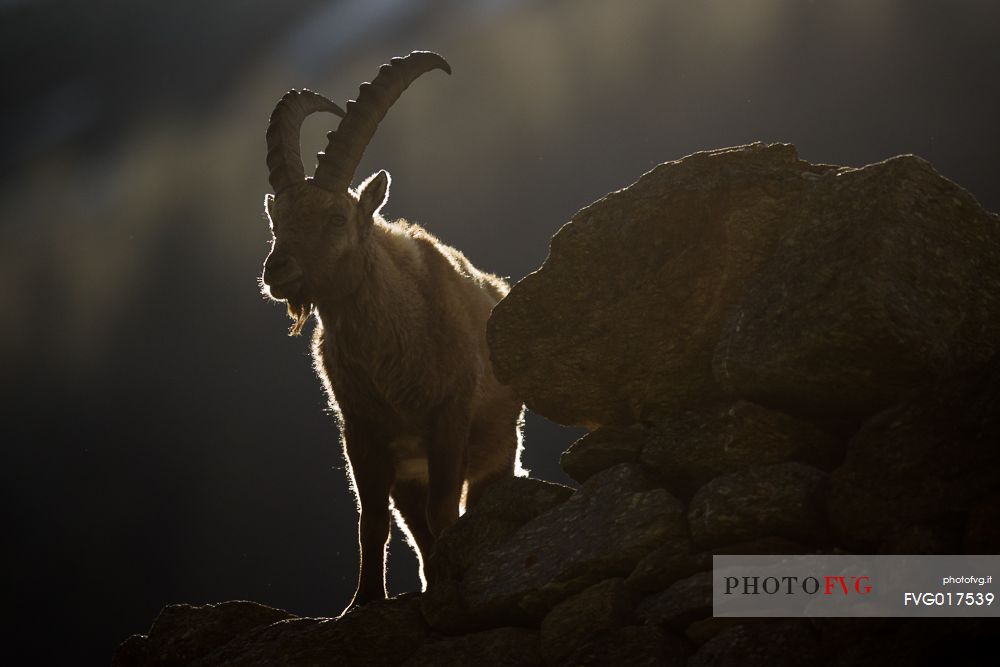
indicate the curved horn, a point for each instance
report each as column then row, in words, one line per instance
column 284, row 161
column 347, row 143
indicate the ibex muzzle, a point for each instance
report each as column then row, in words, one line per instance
column 282, row 275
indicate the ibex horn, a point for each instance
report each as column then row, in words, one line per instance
column 284, row 160
column 347, row 143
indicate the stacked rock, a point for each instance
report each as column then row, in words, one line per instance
column 772, row 357
column 792, row 358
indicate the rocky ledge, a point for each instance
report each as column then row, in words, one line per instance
column 772, row 356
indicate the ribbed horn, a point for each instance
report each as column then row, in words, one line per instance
column 284, row 160
column 347, row 143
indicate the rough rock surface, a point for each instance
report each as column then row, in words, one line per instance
column 639, row 646
column 666, row 564
column 777, row 644
column 703, row 629
column 927, row 642
column 602, row 531
column 785, row 499
column 183, row 633
column 504, row 508
column 572, row 622
column 685, row 601
column 503, row 647
column 889, row 276
column 750, row 272
column 676, row 560
column 602, row 449
column 690, row 449
column 933, row 455
column 980, row 535
column 918, row 538
column 381, row 633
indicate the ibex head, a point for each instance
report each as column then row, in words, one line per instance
column 319, row 225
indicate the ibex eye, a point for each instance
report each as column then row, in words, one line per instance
column 337, row 220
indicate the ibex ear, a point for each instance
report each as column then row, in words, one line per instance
column 269, row 205
column 374, row 193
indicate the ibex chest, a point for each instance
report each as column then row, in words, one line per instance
column 380, row 384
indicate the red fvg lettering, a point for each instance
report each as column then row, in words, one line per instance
column 860, row 585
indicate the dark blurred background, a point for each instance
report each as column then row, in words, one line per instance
column 163, row 439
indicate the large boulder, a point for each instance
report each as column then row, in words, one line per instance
column 573, row 622
column 784, row 500
column 693, row 447
column 666, row 564
column 602, row 449
column 889, row 277
column 982, row 530
column 604, row 529
column 686, row 600
column 632, row 645
column 874, row 642
column 748, row 272
column 502, row 647
column 675, row 560
column 934, row 456
column 505, row 506
column 773, row 644
column 183, row 633
column 245, row 634
column 384, row 632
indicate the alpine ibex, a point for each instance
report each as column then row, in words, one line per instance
column 400, row 339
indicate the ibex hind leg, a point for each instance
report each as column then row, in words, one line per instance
column 447, row 460
column 495, row 450
column 410, row 501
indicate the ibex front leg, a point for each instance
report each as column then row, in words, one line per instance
column 371, row 467
column 446, row 462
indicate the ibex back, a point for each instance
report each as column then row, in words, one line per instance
column 400, row 339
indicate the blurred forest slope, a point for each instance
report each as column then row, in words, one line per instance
column 164, row 440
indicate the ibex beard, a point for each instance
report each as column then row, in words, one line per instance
column 400, row 339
